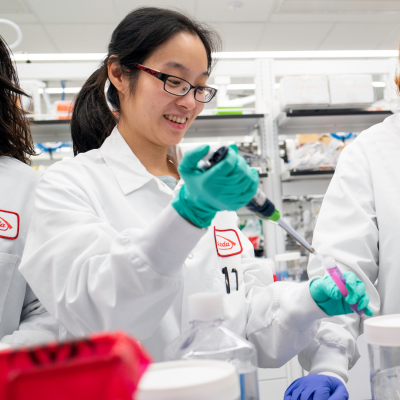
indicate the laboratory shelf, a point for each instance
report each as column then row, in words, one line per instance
column 305, row 183
column 223, row 125
column 58, row 130
column 203, row 126
column 328, row 120
column 289, row 176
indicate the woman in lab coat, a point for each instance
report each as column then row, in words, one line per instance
column 117, row 243
column 23, row 320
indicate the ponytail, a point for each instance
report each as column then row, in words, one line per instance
column 15, row 133
column 132, row 42
column 92, row 120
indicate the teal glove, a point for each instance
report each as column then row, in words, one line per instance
column 229, row 185
column 329, row 299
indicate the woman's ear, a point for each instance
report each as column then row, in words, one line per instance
column 116, row 78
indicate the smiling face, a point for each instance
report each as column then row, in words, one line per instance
column 150, row 111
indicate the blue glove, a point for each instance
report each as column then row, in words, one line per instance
column 329, row 299
column 229, row 185
column 317, row 387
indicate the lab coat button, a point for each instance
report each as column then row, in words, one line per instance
column 190, row 256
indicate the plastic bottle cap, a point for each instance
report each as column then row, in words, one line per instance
column 295, row 255
column 189, row 380
column 205, row 307
column 383, row 331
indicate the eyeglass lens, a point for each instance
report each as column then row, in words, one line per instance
column 180, row 87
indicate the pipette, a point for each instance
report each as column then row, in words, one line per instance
column 260, row 204
column 329, row 264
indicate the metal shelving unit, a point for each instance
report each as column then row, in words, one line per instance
column 203, row 126
column 328, row 120
column 290, row 176
column 320, row 121
column 51, row 131
column 223, row 125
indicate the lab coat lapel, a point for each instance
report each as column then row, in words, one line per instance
column 129, row 172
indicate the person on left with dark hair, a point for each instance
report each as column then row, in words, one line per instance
column 23, row 319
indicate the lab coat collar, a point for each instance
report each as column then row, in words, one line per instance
column 129, row 172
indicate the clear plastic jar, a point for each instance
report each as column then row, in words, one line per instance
column 383, row 337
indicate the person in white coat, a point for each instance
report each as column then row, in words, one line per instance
column 23, row 320
column 358, row 226
column 116, row 243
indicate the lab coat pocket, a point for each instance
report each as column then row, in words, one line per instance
column 228, row 280
column 7, row 266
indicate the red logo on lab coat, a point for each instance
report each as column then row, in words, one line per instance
column 4, row 225
column 223, row 243
column 9, row 225
column 227, row 242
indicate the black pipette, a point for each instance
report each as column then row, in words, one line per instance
column 260, row 204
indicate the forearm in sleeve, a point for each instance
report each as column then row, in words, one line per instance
column 104, row 280
column 282, row 320
column 333, row 349
column 36, row 327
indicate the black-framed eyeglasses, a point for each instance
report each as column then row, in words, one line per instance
column 179, row 87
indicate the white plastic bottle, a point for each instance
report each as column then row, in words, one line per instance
column 208, row 339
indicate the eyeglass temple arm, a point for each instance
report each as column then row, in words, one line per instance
column 150, row 71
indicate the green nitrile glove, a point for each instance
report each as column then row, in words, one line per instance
column 228, row 185
column 329, row 299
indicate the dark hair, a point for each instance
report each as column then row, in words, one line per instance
column 15, row 133
column 132, row 42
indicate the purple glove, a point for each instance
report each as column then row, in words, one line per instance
column 317, row 387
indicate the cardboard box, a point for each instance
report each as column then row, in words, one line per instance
column 307, row 138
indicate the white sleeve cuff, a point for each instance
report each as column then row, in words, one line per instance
column 331, row 358
column 167, row 242
column 299, row 311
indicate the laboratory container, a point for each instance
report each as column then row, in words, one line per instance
column 383, row 337
column 287, row 266
column 209, row 339
column 189, row 380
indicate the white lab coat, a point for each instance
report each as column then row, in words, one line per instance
column 359, row 225
column 23, row 320
column 107, row 251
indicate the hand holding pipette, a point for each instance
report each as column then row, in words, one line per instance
column 259, row 204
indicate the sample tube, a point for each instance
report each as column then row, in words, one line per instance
column 329, row 264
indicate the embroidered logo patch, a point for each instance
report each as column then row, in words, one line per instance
column 9, row 225
column 227, row 242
